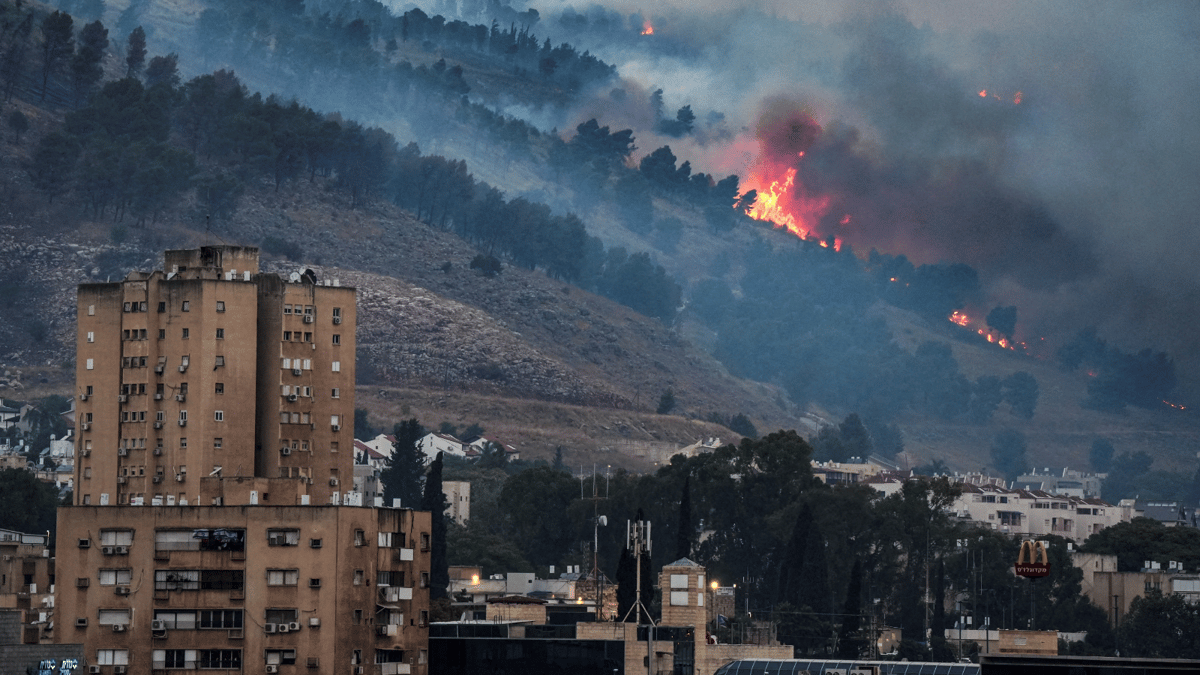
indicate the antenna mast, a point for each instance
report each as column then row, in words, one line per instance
column 637, row 539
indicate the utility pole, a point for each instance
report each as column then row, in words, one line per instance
column 598, row 521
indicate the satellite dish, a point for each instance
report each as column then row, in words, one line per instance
column 603, row 521
column 294, row 277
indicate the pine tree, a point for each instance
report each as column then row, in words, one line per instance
column 434, row 501
column 58, row 43
column 135, row 52
column 86, row 70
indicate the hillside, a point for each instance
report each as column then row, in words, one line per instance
column 537, row 360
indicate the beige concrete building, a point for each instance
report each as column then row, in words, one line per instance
column 212, row 369
column 214, row 526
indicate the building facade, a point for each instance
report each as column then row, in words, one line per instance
column 214, row 523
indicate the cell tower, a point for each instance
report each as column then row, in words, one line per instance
column 637, row 539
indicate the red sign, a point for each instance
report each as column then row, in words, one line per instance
column 1032, row 569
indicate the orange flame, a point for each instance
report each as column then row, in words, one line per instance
column 1018, row 98
column 647, row 29
column 983, row 93
column 960, row 318
column 784, row 204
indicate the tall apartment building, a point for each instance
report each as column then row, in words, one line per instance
column 213, row 523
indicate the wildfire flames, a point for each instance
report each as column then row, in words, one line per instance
column 782, row 200
column 962, row 319
column 647, row 29
column 1017, row 97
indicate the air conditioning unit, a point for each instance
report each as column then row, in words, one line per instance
column 282, row 628
column 181, row 397
column 86, row 453
column 314, row 622
column 83, row 397
column 269, row 628
column 293, row 398
column 285, row 451
column 183, row 423
column 157, row 479
column 333, row 482
column 294, row 626
column 158, row 397
column 272, row 668
column 122, row 550
column 314, row 662
column 183, row 369
column 179, row 477
column 308, row 318
column 297, row 372
column 118, row 628
column 93, row 669
column 122, row 452
column 335, row 427
column 158, row 369
column 87, row 426
column 81, row 622
column 108, row 550
column 158, row 424
column 337, row 320
column 158, row 625
column 122, row 590
column 121, row 480
column 157, row 451
column 121, row 398
column 82, row 582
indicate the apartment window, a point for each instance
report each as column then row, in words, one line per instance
column 91, row 310
column 287, row 336
column 174, row 658
column 307, row 364
column 358, row 617
column 116, row 577
column 220, row 333
column 112, row 657
column 280, row 656
column 186, row 333
column 220, row 618
column 336, row 393
column 87, row 417
column 220, row 388
column 183, row 416
column 187, row 306
column 280, row 537
column 308, row 310
column 287, row 364
column 333, row 446
column 91, row 336
column 176, row 620
column 424, row 579
column 113, row 617
column 287, row 309
column 360, row 538
column 158, row 416
column 218, row 415
column 308, row 337
column 337, row 366
column 218, row 443
column 162, row 307
column 225, row 659
column 87, row 472
column 337, row 312
column 116, row 537
column 282, row 615
column 358, row 577
column 125, row 307
column 90, row 364
column 424, row 541
column 220, row 363
column 88, row 391
column 283, row 577
column 220, row 305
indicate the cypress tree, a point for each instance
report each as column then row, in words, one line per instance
column 850, row 643
column 406, row 466
column 683, row 537
column 434, row 501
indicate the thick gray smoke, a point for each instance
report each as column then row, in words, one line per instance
column 1078, row 204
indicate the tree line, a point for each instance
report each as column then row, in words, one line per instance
column 822, row 561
